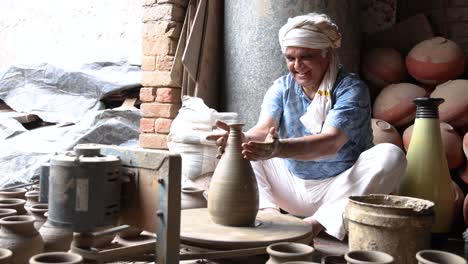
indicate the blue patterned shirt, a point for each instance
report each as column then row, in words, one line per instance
column 286, row 102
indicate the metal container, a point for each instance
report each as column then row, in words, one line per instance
column 84, row 189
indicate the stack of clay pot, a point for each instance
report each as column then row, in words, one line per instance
column 432, row 68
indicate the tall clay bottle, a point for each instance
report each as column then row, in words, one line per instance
column 233, row 193
column 427, row 174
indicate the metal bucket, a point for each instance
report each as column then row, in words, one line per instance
column 397, row 225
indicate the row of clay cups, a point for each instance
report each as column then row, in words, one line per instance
column 21, row 205
column 44, row 258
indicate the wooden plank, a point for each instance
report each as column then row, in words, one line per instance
column 177, row 69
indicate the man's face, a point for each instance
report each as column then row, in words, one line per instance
column 306, row 65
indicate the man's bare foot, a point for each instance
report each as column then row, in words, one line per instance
column 270, row 210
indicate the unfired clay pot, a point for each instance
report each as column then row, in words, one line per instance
column 233, row 193
column 465, row 145
column 289, row 251
column 192, row 197
column 55, row 238
column 32, row 197
column 5, row 256
column 440, row 257
column 368, row 257
column 56, row 257
column 455, row 107
column 14, row 203
column 395, row 104
column 4, row 212
column 14, row 193
column 450, row 139
column 383, row 66
column 18, row 234
column 383, row 132
column 435, row 61
column 38, row 212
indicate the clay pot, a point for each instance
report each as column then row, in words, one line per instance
column 56, row 257
column 368, row 256
column 14, row 193
column 192, row 197
column 233, row 193
column 458, row 201
column 18, row 234
column 383, row 132
column 289, row 251
column 14, row 203
column 465, row 145
column 32, row 197
column 55, row 238
column 435, row 61
column 436, row 256
column 453, row 110
column 4, row 212
column 395, row 104
column 38, row 212
column 465, row 210
column 450, row 139
column 5, row 256
column 383, row 66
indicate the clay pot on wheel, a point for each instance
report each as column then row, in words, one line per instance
column 289, row 251
column 233, row 193
column 5, row 256
column 56, row 257
column 368, row 256
column 192, row 197
column 437, row 256
column 18, row 234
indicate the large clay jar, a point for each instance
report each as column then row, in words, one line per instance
column 383, row 132
column 233, row 193
column 383, row 66
column 435, row 61
column 429, row 256
column 38, row 212
column 368, row 257
column 18, row 234
column 5, row 256
column 455, row 107
column 451, row 141
column 395, row 104
column 56, row 257
column 55, row 238
column 192, row 197
column 289, row 251
column 14, row 193
column 14, row 203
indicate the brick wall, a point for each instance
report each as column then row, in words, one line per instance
column 160, row 96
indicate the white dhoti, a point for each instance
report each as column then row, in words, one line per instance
column 377, row 171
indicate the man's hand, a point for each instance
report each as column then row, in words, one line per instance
column 271, row 147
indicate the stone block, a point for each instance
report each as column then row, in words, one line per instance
column 159, row 45
column 168, row 95
column 162, row 28
column 164, row 12
column 147, row 125
column 157, row 79
column 159, row 110
column 147, row 94
column 153, row 141
column 162, row 125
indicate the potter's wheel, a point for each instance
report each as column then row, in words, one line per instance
column 197, row 229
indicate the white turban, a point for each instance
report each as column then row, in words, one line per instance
column 315, row 31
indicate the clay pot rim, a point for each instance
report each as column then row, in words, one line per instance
column 47, row 256
column 299, row 249
column 5, row 253
column 39, row 207
column 7, row 210
column 16, row 219
column 32, row 193
column 377, row 254
column 191, row 190
column 15, row 190
column 423, row 254
column 356, row 200
column 12, row 201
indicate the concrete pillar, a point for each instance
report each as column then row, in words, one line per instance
column 252, row 54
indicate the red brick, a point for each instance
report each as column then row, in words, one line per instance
column 159, row 46
column 157, row 79
column 148, row 63
column 147, row 125
column 162, row 125
column 168, row 95
column 162, row 29
column 164, row 12
column 153, row 141
column 159, row 110
column 164, row 63
column 147, row 94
